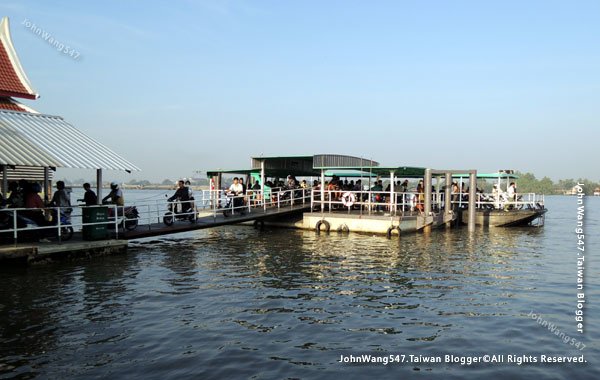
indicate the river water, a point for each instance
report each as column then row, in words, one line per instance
column 235, row 302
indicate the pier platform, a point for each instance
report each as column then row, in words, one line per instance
column 32, row 253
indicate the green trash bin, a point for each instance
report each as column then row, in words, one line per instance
column 95, row 214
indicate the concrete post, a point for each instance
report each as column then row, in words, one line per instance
column 472, row 195
column 427, row 185
column 99, row 185
column 262, row 184
column 392, row 200
column 448, row 194
column 322, row 190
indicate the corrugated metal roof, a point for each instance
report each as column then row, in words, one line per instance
column 338, row 161
column 400, row 171
column 44, row 140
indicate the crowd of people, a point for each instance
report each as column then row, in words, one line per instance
column 25, row 194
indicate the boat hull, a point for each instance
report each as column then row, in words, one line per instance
column 501, row 218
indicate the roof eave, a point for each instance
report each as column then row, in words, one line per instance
column 16, row 63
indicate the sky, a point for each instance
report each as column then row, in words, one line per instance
column 180, row 87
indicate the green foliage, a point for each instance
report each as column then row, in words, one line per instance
column 527, row 183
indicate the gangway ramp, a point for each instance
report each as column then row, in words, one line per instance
column 213, row 220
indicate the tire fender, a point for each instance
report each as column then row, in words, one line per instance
column 323, row 223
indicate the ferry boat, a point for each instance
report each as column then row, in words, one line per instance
column 497, row 210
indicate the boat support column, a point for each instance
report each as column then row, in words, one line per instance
column 427, row 185
column 448, row 198
column 472, row 195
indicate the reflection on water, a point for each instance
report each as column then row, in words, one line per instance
column 234, row 302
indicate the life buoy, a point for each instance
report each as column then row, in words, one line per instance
column 348, row 199
column 324, row 223
column 391, row 229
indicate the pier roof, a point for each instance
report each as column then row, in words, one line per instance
column 281, row 166
column 13, row 80
column 400, row 171
column 30, row 139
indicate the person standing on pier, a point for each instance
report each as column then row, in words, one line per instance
column 511, row 195
column 61, row 198
column 89, row 197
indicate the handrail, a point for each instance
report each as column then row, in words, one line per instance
column 394, row 202
column 211, row 202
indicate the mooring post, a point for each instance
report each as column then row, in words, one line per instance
column 392, row 196
column 427, row 185
column 262, row 185
column 472, row 195
column 448, row 194
column 322, row 187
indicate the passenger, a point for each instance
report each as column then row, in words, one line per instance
column 404, row 186
column 377, row 198
column 182, row 196
column 420, row 196
column 34, row 201
column 455, row 195
column 511, row 196
column 237, row 191
column 15, row 199
column 188, row 184
column 243, row 185
column 303, row 184
column 61, row 198
column 255, row 193
column 115, row 195
column 89, row 197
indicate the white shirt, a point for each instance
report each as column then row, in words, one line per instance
column 238, row 189
column 511, row 192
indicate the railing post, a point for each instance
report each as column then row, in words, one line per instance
column 58, row 224
column 15, row 226
column 116, row 208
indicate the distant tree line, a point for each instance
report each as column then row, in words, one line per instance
column 527, row 183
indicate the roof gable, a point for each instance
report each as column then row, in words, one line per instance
column 13, row 80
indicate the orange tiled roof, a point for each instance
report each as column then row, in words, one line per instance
column 13, row 80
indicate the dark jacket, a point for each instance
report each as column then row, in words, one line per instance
column 182, row 194
column 90, row 198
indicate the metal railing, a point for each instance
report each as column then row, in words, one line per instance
column 402, row 202
column 14, row 221
column 369, row 201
